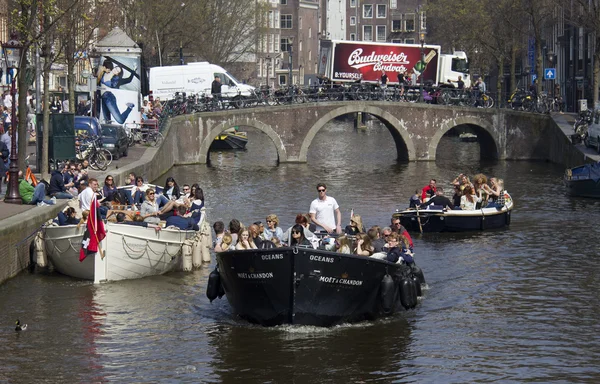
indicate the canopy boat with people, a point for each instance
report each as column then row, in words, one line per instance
column 230, row 139
column 306, row 286
column 583, row 180
column 127, row 252
column 440, row 219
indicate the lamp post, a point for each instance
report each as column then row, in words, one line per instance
column 422, row 37
column 268, row 73
column 94, row 57
column 290, row 63
column 12, row 56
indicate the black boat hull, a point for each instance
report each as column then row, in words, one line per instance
column 307, row 286
column 584, row 188
column 229, row 141
column 438, row 221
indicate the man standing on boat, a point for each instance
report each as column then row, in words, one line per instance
column 325, row 211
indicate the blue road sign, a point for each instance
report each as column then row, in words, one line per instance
column 550, row 74
column 533, row 77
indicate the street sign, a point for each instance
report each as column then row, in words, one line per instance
column 550, row 74
column 533, row 77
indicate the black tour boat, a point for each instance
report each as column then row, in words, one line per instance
column 584, row 180
column 312, row 287
column 443, row 220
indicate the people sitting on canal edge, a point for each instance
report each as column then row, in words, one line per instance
column 57, row 187
column 31, row 195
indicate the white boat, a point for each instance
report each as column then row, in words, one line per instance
column 130, row 252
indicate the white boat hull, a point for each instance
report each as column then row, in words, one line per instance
column 130, row 252
column 62, row 245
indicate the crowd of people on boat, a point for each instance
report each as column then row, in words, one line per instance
column 319, row 228
column 469, row 194
column 136, row 203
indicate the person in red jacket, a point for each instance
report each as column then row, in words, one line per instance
column 428, row 191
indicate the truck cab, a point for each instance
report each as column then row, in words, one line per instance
column 453, row 65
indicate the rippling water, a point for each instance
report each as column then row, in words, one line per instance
column 515, row 305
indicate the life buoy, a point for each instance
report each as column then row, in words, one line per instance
column 214, row 281
column 387, row 294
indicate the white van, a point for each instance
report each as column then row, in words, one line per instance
column 194, row 78
column 593, row 134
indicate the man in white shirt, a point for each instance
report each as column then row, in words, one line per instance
column 325, row 211
column 86, row 196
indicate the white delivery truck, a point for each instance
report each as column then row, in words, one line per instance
column 194, row 78
column 346, row 61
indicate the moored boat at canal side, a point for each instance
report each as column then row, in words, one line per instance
column 456, row 220
column 312, row 287
column 584, row 180
column 230, row 139
column 130, row 252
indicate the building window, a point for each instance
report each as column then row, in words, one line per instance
column 423, row 22
column 353, row 37
column 352, row 20
column 381, row 35
column 299, row 23
column 381, row 11
column 285, row 44
column 367, row 11
column 409, row 22
column 286, row 21
column 300, row 46
column 409, row 41
column 282, row 79
column 396, row 41
column 396, row 25
column 310, row 32
column 393, row 4
column 309, row 55
column 283, row 2
column 367, row 33
column 352, row 3
column 277, row 46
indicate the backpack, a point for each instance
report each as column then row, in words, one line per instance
column 46, row 187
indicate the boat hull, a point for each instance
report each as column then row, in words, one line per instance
column 230, row 141
column 62, row 245
column 584, row 188
column 306, row 286
column 425, row 220
column 583, row 181
column 131, row 252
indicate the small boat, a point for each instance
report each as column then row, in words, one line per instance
column 467, row 137
column 456, row 220
column 131, row 252
column 312, row 287
column 230, row 139
column 584, row 180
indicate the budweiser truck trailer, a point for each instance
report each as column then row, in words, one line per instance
column 347, row 61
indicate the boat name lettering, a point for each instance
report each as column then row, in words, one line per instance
column 324, row 259
column 263, row 275
column 277, row 256
column 335, row 280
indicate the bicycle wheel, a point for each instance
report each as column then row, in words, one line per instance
column 488, row 101
column 107, row 155
column 98, row 161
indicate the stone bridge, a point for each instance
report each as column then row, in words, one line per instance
column 415, row 128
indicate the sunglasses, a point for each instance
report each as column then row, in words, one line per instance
column 270, row 221
column 151, row 194
column 321, row 190
column 396, row 223
column 109, row 179
column 186, row 189
column 295, row 232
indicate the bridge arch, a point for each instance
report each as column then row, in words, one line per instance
column 248, row 122
column 397, row 129
column 489, row 144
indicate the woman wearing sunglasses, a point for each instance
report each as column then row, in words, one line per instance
column 273, row 229
column 298, row 239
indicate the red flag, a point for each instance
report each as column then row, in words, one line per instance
column 94, row 232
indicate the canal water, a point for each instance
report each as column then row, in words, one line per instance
column 514, row 305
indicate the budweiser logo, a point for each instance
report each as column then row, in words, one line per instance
column 358, row 60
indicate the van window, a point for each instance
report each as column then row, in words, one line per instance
column 225, row 79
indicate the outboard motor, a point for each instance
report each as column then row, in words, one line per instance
column 388, row 294
column 214, row 281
